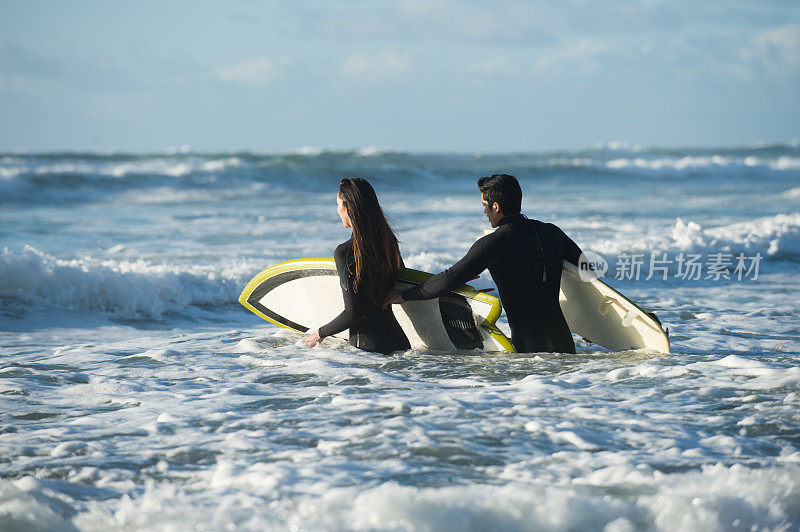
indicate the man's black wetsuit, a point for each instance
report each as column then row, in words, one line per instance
column 516, row 253
column 370, row 327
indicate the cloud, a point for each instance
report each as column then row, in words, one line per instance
column 583, row 58
column 457, row 21
column 479, row 23
column 496, row 66
column 375, row 66
column 777, row 50
column 255, row 72
column 136, row 66
column 21, row 69
column 28, row 63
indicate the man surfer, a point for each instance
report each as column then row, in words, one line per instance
column 524, row 258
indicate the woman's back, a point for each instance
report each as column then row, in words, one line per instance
column 371, row 327
column 367, row 264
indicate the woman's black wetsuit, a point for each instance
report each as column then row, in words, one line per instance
column 370, row 327
column 525, row 259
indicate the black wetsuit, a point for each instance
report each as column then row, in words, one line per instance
column 370, row 327
column 515, row 254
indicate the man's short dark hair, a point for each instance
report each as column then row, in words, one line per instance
column 502, row 189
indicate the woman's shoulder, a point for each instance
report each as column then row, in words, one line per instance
column 344, row 249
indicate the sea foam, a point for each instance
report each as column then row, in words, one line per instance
column 718, row 497
column 121, row 289
column 777, row 235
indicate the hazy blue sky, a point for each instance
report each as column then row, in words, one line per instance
column 412, row 74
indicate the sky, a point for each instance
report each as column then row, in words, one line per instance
column 421, row 75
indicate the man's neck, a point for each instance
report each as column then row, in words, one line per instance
column 508, row 218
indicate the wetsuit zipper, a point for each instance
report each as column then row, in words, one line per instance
column 539, row 248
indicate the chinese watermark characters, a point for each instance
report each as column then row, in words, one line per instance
column 687, row 266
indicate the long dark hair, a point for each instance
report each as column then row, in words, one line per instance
column 377, row 254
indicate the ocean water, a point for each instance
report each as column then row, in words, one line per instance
column 137, row 394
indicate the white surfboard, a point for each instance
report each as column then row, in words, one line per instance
column 304, row 294
column 605, row 317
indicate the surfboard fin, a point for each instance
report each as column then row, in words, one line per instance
column 602, row 308
column 627, row 320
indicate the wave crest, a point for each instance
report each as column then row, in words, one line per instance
column 121, row 289
column 776, row 237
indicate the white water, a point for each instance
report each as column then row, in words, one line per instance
column 135, row 393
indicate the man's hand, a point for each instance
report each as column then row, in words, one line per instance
column 312, row 339
column 394, row 297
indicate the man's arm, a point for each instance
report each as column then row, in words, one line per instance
column 572, row 251
column 474, row 262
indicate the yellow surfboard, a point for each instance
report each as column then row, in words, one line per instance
column 304, row 294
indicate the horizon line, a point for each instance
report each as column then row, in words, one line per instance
column 380, row 150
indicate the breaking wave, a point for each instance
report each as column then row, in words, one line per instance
column 121, row 289
column 773, row 236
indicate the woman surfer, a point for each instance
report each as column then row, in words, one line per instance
column 367, row 265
